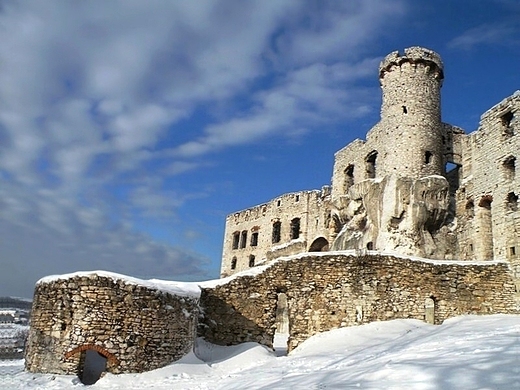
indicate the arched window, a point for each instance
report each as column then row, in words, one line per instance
column 371, row 165
column 349, row 177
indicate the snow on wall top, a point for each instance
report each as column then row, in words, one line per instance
column 185, row 289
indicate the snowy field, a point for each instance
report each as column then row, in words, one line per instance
column 470, row 352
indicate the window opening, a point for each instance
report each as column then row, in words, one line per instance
column 512, row 201
column 470, row 209
column 295, row 228
column 370, row 246
column 236, row 239
column 277, row 232
column 506, row 120
column 297, row 198
column 278, row 202
column 234, row 263
column 251, row 261
column 405, row 110
column 243, row 239
column 371, row 165
column 349, row 177
column 254, row 239
column 428, row 157
column 512, row 251
column 509, row 167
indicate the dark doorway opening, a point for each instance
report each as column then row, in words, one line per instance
column 92, row 365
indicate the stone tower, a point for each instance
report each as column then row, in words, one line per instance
column 410, row 132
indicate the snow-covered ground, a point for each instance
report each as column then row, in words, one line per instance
column 470, row 352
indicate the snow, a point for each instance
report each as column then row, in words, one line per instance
column 468, row 352
column 185, row 289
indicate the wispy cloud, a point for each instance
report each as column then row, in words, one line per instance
column 488, row 34
column 96, row 95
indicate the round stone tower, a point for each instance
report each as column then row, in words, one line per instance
column 410, row 133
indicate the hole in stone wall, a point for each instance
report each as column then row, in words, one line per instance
column 254, row 239
column 277, row 232
column 295, row 228
column 63, row 326
column 506, row 120
column 243, row 239
column 370, row 245
column 371, row 165
column 509, row 167
column 297, row 198
column 470, row 209
column 319, row 245
column 405, row 110
column 234, row 263
column 349, row 177
column 512, row 201
column 236, row 239
column 428, row 157
column 92, row 365
column 281, row 334
column 251, row 261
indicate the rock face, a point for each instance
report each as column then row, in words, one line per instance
column 395, row 214
column 331, row 290
column 135, row 328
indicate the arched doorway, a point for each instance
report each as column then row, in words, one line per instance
column 319, row 245
column 92, row 361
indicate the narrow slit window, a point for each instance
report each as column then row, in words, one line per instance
column 234, row 263
column 251, row 261
column 428, row 157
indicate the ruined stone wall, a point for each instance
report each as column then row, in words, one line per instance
column 331, row 290
column 487, row 200
column 241, row 251
column 136, row 328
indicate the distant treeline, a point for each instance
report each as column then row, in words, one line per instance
column 15, row 303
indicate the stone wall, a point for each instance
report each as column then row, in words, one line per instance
column 487, row 200
column 136, row 328
column 330, row 290
column 241, row 251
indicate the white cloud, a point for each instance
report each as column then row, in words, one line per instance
column 490, row 34
column 93, row 95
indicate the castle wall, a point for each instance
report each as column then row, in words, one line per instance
column 136, row 328
column 302, row 217
column 487, row 200
column 334, row 289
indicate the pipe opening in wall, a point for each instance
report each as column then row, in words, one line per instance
column 92, row 366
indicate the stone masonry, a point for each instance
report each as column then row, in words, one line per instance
column 136, row 328
column 416, row 186
column 337, row 289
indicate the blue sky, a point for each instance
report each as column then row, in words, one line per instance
column 130, row 129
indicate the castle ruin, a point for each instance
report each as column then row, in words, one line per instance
column 417, row 186
column 421, row 221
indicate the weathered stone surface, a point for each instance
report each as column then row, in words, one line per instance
column 136, row 332
column 334, row 290
column 415, row 186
